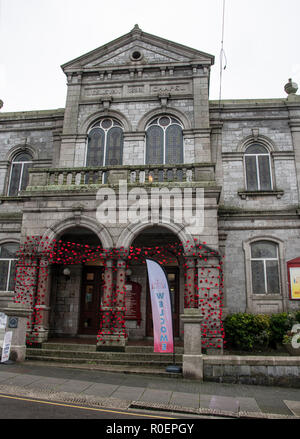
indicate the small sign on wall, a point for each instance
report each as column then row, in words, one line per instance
column 13, row 322
column 133, row 301
column 6, row 346
column 293, row 267
column 3, row 320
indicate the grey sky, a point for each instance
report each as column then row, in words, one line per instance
column 261, row 42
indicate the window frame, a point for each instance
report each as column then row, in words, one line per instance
column 115, row 124
column 151, row 123
column 255, row 303
column 10, row 261
column 22, row 163
column 257, row 155
column 264, row 259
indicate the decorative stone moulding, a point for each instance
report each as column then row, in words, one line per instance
column 106, row 101
column 291, row 87
column 252, row 194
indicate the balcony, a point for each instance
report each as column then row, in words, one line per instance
column 88, row 178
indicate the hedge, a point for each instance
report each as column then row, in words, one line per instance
column 248, row 332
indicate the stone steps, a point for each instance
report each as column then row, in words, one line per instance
column 101, row 361
column 92, row 348
column 69, row 347
column 134, row 358
column 113, row 357
column 127, row 369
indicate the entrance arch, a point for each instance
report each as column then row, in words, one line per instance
column 130, row 233
column 58, row 229
column 148, row 239
column 76, row 285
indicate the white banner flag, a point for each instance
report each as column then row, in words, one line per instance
column 161, row 308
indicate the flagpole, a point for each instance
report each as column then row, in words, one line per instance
column 172, row 368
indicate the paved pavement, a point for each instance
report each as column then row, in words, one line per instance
column 121, row 390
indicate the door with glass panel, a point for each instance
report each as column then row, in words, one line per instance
column 91, row 292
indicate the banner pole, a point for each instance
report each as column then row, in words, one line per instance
column 173, row 368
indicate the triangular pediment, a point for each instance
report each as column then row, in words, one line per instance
column 152, row 49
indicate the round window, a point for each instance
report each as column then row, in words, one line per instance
column 164, row 121
column 136, row 55
column 106, row 123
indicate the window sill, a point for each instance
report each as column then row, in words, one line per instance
column 245, row 195
column 266, row 296
column 4, row 198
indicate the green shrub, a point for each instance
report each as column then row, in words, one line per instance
column 297, row 316
column 255, row 331
column 247, row 331
column 279, row 324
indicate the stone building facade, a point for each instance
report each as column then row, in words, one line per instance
column 138, row 110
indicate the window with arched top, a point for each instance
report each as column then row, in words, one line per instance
column 164, row 141
column 105, row 143
column 8, row 262
column 258, row 168
column 19, row 175
column 265, row 267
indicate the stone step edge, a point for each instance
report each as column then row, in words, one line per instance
column 92, row 348
column 142, row 370
column 95, row 362
column 100, row 354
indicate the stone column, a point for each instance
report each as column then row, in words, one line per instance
column 106, row 300
column 113, row 335
column 26, row 284
column 209, row 302
column 42, row 301
column 69, row 134
column 18, row 314
column 191, row 301
column 201, row 114
column 120, row 301
column 293, row 105
column 192, row 357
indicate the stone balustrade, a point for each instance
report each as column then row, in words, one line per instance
column 111, row 175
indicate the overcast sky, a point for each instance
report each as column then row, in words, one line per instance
column 261, row 42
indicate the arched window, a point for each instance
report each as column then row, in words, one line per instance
column 265, row 267
column 258, row 168
column 19, row 174
column 8, row 266
column 164, row 141
column 105, row 144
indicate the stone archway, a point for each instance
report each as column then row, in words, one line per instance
column 151, row 237
column 76, row 289
column 133, row 230
column 59, row 228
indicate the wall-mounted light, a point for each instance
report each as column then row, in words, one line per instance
column 67, row 273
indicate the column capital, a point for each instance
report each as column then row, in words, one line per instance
column 121, row 263
column 109, row 262
column 192, row 315
column 120, row 254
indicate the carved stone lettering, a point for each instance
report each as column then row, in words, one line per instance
column 136, row 89
column 103, row 91
column 179, row 88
